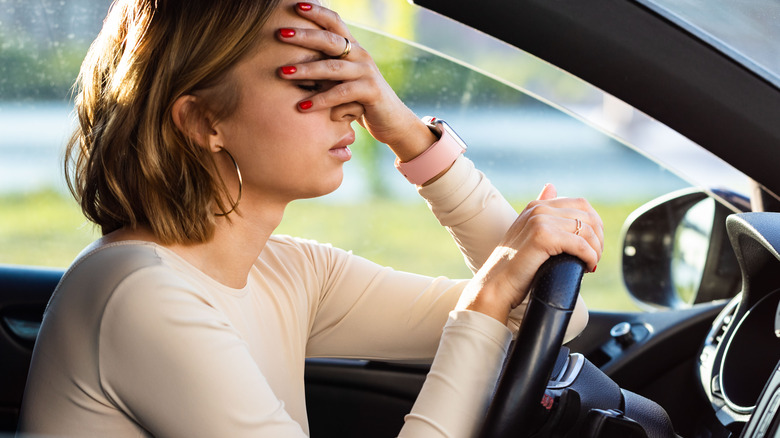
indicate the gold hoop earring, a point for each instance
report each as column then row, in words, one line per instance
column 240, row 185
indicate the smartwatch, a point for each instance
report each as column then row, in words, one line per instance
column 436, row 158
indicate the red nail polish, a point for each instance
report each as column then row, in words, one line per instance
column 288, row 69
column 306, row 104
column 287, row 33
column 594, row 268
column 304, row 6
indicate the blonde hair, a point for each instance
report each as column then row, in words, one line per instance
column 127, row 164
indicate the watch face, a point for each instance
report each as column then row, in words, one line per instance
column 442, row 125
column 439, row 125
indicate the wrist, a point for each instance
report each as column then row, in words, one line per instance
column 418, row 139
column 484, row 298
column 437, row 158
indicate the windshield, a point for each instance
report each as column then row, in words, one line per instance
column 745, row 30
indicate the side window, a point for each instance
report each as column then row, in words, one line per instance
column 517, row 138
column 42, row 44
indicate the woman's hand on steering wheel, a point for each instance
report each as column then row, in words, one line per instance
column 546, row 227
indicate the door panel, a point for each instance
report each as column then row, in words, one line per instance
column 360, row 398
column 24, row 293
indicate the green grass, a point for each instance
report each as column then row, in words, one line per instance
column 43, row 228
column 47, row 228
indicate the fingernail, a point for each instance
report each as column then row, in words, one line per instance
column 594, row 268
column 304, row 6
column 288, row 69
column 306, row 104
column 287, row 33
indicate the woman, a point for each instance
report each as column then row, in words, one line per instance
column 199, row 122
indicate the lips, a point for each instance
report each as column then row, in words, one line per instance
column 341, row 150
column 342, row 153
column 345, row 141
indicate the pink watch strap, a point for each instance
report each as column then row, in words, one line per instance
column 430, row 163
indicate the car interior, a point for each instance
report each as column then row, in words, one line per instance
column 695, row 349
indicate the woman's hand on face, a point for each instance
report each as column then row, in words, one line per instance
column 355, row 88
column 546, row 227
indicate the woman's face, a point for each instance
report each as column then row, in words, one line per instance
column 284, row 154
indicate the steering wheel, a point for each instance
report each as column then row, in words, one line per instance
column 517, row 401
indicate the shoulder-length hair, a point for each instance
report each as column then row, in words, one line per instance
column 127, row 164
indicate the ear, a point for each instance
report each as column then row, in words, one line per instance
column 191, row 118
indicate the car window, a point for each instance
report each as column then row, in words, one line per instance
column 526, row 123
column 42, row 44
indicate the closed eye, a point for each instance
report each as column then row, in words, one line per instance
column 311, row 87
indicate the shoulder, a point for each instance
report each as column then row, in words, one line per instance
column 101, row 268
column 302, row 249
column 283, row 241
column 107, row 266
column 125, row 285
column 99, row 273
column 159, row 294
column 304, row 259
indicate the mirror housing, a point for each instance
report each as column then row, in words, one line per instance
column 676, row 251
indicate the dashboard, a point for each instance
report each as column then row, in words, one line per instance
column 741, row 354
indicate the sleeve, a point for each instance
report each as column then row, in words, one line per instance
column 462, row 380
column 369, row 311
column 174, row 364
column 477, row 216
column 473, row 211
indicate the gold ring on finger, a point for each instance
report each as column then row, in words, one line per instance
column 578, row 228
column 347, row 49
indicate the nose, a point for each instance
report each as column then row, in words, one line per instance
column 348, row 112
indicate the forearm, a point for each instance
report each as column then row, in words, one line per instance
column 457, row 391
column 472, row 209
column 373, row 312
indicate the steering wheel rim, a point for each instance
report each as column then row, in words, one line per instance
column 520, row 389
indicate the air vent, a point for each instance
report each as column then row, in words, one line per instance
column 719, row 328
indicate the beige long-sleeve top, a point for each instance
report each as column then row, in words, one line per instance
column 138, row 342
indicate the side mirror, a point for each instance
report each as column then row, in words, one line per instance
column 676, row 251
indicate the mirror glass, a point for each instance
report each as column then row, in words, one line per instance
column 691, row 244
